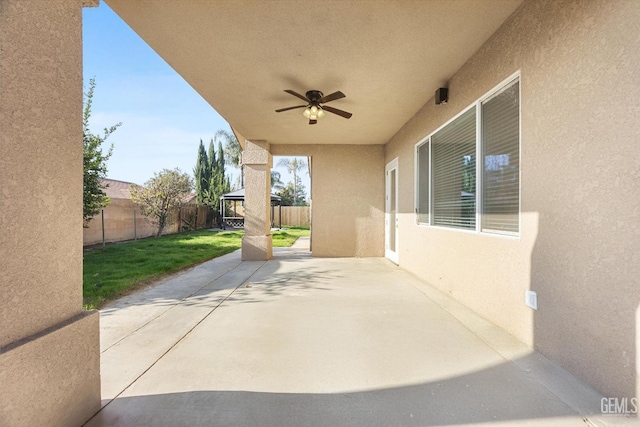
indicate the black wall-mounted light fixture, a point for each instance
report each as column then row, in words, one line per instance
column 442, row 95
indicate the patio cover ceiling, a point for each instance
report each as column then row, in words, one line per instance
column 388, row 57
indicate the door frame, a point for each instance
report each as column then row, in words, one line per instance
column 388, row 220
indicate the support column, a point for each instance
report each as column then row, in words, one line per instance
column 49, row 346
column 257, row 161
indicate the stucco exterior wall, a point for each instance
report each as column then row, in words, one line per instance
column 41, row 218
column 257, row 243
column 578, row 246
column 347, row 193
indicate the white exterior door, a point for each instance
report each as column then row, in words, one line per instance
column 391, row 211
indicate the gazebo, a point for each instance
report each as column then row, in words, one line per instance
column 236, row 221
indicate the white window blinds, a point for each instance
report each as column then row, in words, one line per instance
column 453, row 167
column 447, row 188
column 501, row 161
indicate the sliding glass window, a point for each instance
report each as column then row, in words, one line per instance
column 453, row 166
column 501, row 161
column 449, row 182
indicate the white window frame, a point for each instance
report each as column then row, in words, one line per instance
column 426, row 140
column 512, row 79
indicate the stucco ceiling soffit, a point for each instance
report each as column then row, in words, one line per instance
column 241, row 139
column 388, row 57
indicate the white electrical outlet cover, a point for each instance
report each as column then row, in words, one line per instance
column 531, row 299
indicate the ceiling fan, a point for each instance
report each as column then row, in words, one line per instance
column 314, row 109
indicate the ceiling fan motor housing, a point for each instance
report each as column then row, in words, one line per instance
column 314, row 96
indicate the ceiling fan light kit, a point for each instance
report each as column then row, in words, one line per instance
column 313, row 112
column 314, row 109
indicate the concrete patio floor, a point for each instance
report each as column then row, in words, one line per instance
column 302, row 341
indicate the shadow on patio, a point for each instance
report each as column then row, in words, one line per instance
column 493, row 396
column 306, row 341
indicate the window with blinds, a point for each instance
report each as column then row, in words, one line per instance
column 453, row 164
column 446, row 184
column 423, row 183
column 501, row 161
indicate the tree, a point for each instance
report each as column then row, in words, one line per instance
column 211, row 179
column 162, row 193
column 95, row 162
column 294, row 166
column 219, row 183
column 232, row 151
column 202, row 174
column 276, row 181
column 293, row 194
column 469, row 174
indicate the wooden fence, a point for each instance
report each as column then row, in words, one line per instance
column 295, row 216
column 123, row 221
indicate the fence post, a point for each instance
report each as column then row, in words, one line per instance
column 102, row 214
column 135, row 231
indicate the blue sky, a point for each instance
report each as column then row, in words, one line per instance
column 163, row 118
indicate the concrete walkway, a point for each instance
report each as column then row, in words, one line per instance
column 301, row 341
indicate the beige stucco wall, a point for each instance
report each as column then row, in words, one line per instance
column 579, row 246
column 257, row 244
column 52, row 380
column 347, row 192
column 41, row 218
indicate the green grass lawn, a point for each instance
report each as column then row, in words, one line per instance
column 288, row 235
column 112, row 271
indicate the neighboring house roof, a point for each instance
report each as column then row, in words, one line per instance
column 120, row 190
column 189, row 199
column 117, row 189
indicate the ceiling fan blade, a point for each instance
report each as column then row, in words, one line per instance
column 331, row 97
column 291, row 92
column 290, row 108
column 336, row 111
column 312, row 122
